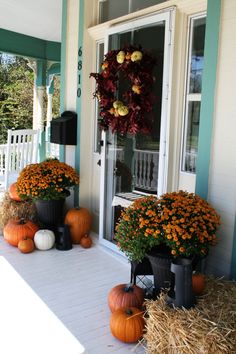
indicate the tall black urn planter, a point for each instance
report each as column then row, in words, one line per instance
column 182, row 294
column 160, row 259
column 50, row 213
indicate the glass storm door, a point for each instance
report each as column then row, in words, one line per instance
column 136, row 164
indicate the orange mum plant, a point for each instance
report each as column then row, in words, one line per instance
column 180, row 220
column 46, row 180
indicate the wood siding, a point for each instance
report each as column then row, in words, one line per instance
column 222, row 181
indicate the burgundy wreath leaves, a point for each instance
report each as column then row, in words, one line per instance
column 131, row 112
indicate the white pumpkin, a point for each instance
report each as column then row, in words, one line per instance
column 44, row 239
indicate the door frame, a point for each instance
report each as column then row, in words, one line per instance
column 169, row 17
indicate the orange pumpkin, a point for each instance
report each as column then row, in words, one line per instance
column 86, row 241
column 13, row 194
column 123, row 295
column 15, row 230
column 198, row 283
column 26, row 245
column 79, row 221
column 127, row 324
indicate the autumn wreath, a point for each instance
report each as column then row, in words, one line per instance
column 131, row 70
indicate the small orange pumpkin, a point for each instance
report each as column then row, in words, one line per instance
column 79, row 221
column 123, row 295
column 198, row 283
column 127, row 324
column 86, row 241
column 13, row 194
column 26, row 245
column 16, row 229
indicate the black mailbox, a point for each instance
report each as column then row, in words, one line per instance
column 64, row 129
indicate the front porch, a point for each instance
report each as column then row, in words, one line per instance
column 74, row 285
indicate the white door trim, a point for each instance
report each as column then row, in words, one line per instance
column 168, row 16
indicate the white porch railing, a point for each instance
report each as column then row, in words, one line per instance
column 190, row 161
column 54, row 152
column 146, row 170
column 15, row 156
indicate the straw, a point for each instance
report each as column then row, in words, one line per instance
column 11, row 209
column 208, row 328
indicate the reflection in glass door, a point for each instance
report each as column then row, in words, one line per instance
column 132, row 163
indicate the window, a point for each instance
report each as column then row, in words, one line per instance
column 110, row 9
column 193, row 93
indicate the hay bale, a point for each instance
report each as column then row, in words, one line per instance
column 10, row 209
column 208, row 328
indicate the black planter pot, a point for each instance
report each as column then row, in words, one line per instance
column 160, row 259
column 182, row 294
column 50, row 213
column 63, row 239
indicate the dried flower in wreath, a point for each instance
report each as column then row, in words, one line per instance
column 131, row 111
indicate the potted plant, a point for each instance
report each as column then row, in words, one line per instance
column 137, row 231
column 187, row 224
column 47, row 183
column 180, row 222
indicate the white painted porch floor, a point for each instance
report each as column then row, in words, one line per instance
column 74, row 285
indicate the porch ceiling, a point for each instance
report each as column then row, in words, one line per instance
column 40, row 19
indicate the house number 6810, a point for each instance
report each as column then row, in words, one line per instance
column 80, row 65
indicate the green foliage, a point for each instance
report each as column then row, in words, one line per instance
column 137, row 231
column 16, row 94
column 182, row 221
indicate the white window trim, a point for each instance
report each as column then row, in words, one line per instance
column 188, row 97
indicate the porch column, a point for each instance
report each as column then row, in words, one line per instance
column 39, row 69
column 35, row 105
column 50, row 91
column 49, row 108
column 40, row 82
column 40, row 114
column 52, row 70
column 39, row 124
column 33, row 65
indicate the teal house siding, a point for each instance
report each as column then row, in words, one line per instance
column 208, row 95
